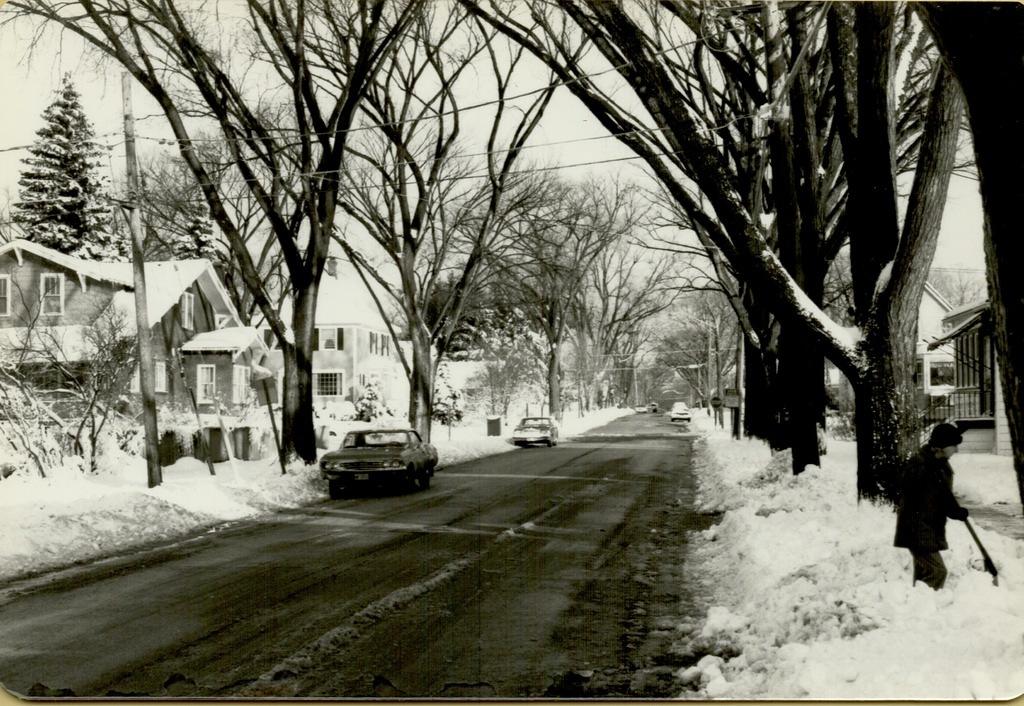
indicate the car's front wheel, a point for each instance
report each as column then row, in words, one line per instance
column 336, row 489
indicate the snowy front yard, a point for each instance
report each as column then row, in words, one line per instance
column 70, row 517
column 811, row 600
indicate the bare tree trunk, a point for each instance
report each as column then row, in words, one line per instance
column 297, row 403
column 982, row 44
column 554, row 380
column 421, row 384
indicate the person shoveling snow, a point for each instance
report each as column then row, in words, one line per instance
column 926, row 501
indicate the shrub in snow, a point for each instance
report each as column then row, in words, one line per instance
column 370, row 406
column 447, row 400
column 62, row 197
column 125, row 434
column 840, row 426
column 180, row 422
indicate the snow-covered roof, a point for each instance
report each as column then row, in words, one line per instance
column 343, row 301
column 967, row 323
column 964, row 308
column 937, row 296
column 166, row 280
column 234, row 339
column 89, row 268
column 165, row 283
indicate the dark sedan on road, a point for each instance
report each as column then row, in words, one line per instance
column 535, row 430
column 377, row 457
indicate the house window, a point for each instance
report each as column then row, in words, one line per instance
column 5, row 295
column 329, row 383
column 374, row 343
column 385, row 345
column 941, row 373
column 187, row 305
column 53, row 294
column 160, row 376
column 329, row 339
column 241, row 384
column 206, row 383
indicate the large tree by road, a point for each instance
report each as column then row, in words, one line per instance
column 552, row 255
column 283, row 98
column 650, row 48
column 982, row 43
column 431, row 194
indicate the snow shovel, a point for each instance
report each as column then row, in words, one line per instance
column 989, row 566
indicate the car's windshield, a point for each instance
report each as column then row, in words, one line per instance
column 534, row 421
column 364, row 439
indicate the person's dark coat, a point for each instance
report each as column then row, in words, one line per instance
column 927, row 500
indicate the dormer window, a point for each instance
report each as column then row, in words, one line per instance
column 329, row 339
column 5, row 295
column 187, row 305
column 52, row 287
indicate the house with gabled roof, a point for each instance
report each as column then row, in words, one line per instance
column 975, row 404
column 49, row 301
column 933, row 372
column 352, row 345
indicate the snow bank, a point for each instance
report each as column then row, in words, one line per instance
column 72, row 517
column 813, row 601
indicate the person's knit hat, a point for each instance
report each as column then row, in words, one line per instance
column 944, row 435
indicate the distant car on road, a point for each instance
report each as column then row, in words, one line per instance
column 652, row 407
column 680, row 413
column 535, row 430
column 376, row 457
column 640, row 408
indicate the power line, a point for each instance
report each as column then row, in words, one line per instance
column 464, row 177
column 453, row 111
column 395, row 123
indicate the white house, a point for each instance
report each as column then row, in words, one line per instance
column 934, row 368
column 351, row 346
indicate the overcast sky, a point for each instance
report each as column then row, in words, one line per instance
column 28, row 87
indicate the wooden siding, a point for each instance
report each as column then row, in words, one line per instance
column 83, row 307
column 1003, row 447
column 80, row 306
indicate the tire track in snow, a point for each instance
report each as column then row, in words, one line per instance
column 284, row 679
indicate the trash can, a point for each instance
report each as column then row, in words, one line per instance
column 494, row 426
column 169, row 448
column 240, row 443
column 214, row 445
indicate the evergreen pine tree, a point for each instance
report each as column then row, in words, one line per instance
column 370, row 406
column 63, row 202
column 198, row 241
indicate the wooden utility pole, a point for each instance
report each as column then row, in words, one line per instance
column 737, row 420
column 145, row 350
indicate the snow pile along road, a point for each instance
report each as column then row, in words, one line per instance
column 811, row 600
column 71, row 517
